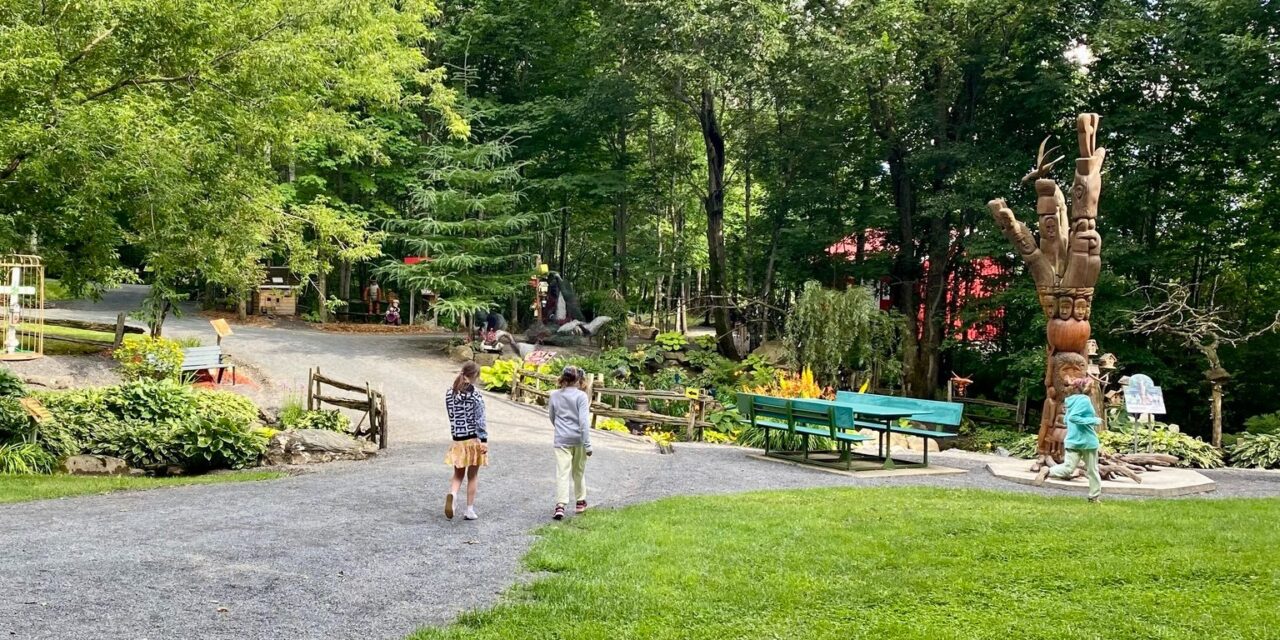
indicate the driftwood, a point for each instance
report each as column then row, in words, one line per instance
column 1113, row 466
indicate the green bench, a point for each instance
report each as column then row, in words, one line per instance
column 798, row 417
column 924, row 412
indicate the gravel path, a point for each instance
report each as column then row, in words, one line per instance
column 352, row 550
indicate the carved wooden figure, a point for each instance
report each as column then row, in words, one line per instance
column 1065, row 263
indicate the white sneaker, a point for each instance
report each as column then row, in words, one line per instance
column 471, row 514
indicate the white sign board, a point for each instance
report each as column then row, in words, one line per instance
column 1143, row 396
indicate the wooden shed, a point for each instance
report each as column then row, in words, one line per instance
column 278, row 293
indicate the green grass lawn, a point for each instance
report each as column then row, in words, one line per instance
column 899, row 563
column 20, row 488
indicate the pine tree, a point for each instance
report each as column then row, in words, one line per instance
column 466, row 219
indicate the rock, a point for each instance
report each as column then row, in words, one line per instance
column 773, row 352
column 461, row 353
column 665, row 447
column 94, row 465
column 523, row 349
column 678, row 357
column 306, row 446
column 1001, row 451
column 486, row 359
column 269, row 415
column 174, row 470
column 644, row 333
column 47, row 382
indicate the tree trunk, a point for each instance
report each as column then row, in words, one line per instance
column 344, row 282
column 713, row 202
column 905, row 272
column 564, row 236
column 157, row 326
column 1217, row 415
column 322, row 288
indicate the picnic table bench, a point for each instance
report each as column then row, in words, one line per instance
column 798, row 417
column 206, row 359
column 840, row 420
column 921, row 412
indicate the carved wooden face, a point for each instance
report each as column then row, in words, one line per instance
column 1049, row 227
column 1026, row 244
column 1065, row 308
column 1080, row 309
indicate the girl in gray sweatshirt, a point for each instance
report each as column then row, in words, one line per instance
column 570, row 411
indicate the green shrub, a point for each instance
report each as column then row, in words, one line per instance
column 149, row 358
column 988, row 439
column 219, row 405
column 500, row 375
column 14, row 423
column 187, row 342
column 1260, row 451
column 152, row 401
column 706, row 341
column 671, row 341
column 11, row 386
column 25, row 458
column 328, row 420
column 614, row 333
column 1191, row 452
column 217, row 442
column 141, row 444
column 79, row 413
column 1265, row 424
column 612, row 424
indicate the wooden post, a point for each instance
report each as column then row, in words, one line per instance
column 1021, row 417
column 515, row 383
column 311, row 381
column 119, row 339
column 693, row 419
column 382, row 421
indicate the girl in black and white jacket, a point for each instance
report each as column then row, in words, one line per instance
column 470, row 449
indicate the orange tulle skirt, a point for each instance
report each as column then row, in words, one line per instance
column 468, row 453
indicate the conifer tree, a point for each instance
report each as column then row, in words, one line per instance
column 466, row 219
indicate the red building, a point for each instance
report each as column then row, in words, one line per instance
column 976, row 280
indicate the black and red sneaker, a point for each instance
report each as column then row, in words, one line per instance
column 559, row 513
column 580, row 507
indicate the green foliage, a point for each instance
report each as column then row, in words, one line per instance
column 326, row 419
column 500, row 375
column 25, row 458
column 671, row 341
column 224, row 405
column 151, row 422
column 187, row 342
column 20, row 488
column 988, row 439
column 614, row 333
column 219, row 442
column 705, row 341
column 1265, row 424
column 151, row 401
column 1192, row 452
column 11, row 386
column 467, row 214
column 291, row 410
column 1260, row 451
column 612, row 424
column 14, row 422
column 149, row 358
column 833, row 332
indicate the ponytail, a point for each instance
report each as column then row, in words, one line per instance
column 570, row 377
column 466, row 377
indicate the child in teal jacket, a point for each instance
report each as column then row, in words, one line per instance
column 1081, row 442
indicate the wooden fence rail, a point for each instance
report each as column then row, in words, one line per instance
column 372, row 403
column 694, row 419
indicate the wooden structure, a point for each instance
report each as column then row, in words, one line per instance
column 1065, row 263
column 21, row 307
column 607, row 402
column 277, row 295
column 373, row 404
column 1019, row 410
column 117, row 331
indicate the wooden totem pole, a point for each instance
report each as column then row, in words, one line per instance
column 1065, row 264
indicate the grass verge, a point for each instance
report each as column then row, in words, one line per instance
column 21, row 488
column 899, row 563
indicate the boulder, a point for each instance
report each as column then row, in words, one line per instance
column 486, row 359
column 461, row 353
column 644, row 333
column 95, row 465
column 773, row 352
column 678, row 357
column 306, row 446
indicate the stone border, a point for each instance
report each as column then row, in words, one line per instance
column 1166, row 483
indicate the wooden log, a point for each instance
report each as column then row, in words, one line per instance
column 356, row 404
column 94, row 343
column 1149, row 459
column 382, row 420
column 101, row 327
column 120, row 330
column 341, row 385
